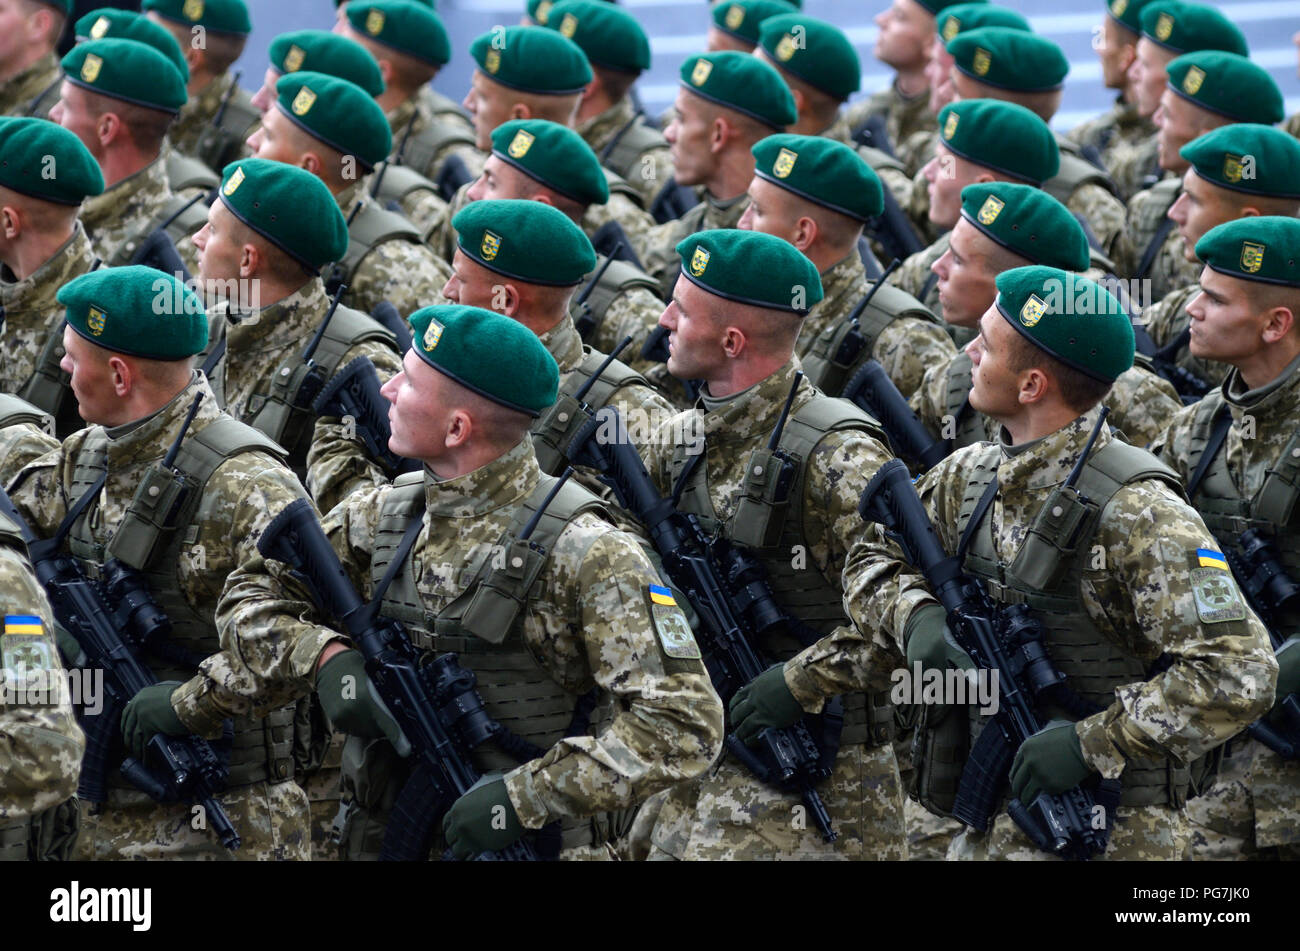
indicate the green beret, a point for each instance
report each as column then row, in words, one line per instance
column 127, row 70
column 935, row 7
column 554, row 155
column 324, row 52
column 30, row 147
column 339, row 113
column 1184, row 27
column 1001, row 136
column 403, row 25
column 1247, row 157
column 136, row 310
column 494, row 355
column 532, row 59
column 743, row 83
column 1227, row 85
column 821, row 170
column 814, row 51
column 1009, row 58
column 540, row 11
column 1070, row 317
column 608, row 35
column 219, row 16
column 528, row 240
column 1027, row 221
column 975, row 16
column 1261, row 248
column 111, row 23
column 744, row 18
column 288, row 206
column 751, row 268
column 1127, row 13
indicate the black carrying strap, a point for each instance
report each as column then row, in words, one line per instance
column 1222, row 423
column 74, row 513
column 214, row 358
column 399, row 558
column 1152, row 249
column 976, row 516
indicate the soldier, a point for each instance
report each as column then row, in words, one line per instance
column 1237, row 451
column 1170, row 28
column 24, row 435
column 120, row 96
column 726, row 103
column 1004, row 226
column 472, row 384
column 733, row 323
column 42, row 247
column 1124, row 127
column 736, row 24
column 1019, row 67
column 1206, row 90
column 320, row 52
column 29, row 70
column 39, row 736
column 129, row 348
column 1042, row 364
column 817, row 193
column 330, row 127
column 1217, row 187
column 220, row 115
column 608, row 119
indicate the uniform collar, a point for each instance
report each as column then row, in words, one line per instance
column 148, row 440
column 755, row 411
column 1045, row 462
column 139, row 190
column 1280, row 394
column 288, row 321
column 564, row 343
column 502, row 483
column 37, row 291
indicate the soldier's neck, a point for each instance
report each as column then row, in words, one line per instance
column 1036, row 421
column 34, row 249
column 1269, row 362
column 23, row 60
column 911, row 83
column 740, row 375
column 596, row 104
column 121, row 162
column 734, row 173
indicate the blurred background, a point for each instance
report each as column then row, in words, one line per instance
column 677, row 29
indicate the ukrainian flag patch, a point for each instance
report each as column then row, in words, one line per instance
column 660, row 595
column 1208, row 558
column 23, row 624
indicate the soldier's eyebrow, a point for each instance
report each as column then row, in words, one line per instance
column 677, row 302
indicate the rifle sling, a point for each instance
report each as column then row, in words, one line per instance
column 399, row 559
column 1222, row 423
column 976, row 516
column 214, row 358
column 74, row 513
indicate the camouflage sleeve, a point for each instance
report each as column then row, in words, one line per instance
column 423, row 208
column 350, row 527
column 1105, row 214
column 1142, row 404
column 1155, row 593
column 848, row 659
column 439, row 235
column 634, row 314
column 1173, row 445
column 268, row 643
column 40, row 743
column 407, row 275
column 913, row 273
column 39, row 494
column 907, row 347
column 337, row 463
column 929, row 400
column 653, row 170
column 658, row 252
column 916, row 150
column 668, row 724
column 20, row 445
column 1161, row 317
column 635, row 221
column 898, row 183
column 643, row 410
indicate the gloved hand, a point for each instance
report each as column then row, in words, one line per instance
column 353, row 706
column 1050, row 761
column 482, row 820
column 930, row 642
column 70, row 651
column 1288, row 675
column 764, row 701
column 150, row 711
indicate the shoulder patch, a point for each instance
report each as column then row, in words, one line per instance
column 1217, row 597
column 675, row 636
column 27, row 651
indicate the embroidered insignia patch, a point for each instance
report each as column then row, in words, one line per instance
column 990, row 210
column 95, row 320
column 490, row 246
column 699, row 261
column 303, row 102
column 520, row 144
column 700, row 74
column 1216, row 595
column 1033, row 310
column 1252, row 256
column 784, row 163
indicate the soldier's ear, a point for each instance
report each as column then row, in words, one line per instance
column 386, row 71
column 806, row 231
column 521, row 110
column 194, row 56
column 589, row 90
column 720, row 133
column 311, row 162
column 1279, row 322
column 459, row 429
column 11, row 222
column 1250, row 211
column 108, row 128
column 250, row 260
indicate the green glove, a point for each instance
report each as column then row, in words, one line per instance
column 764, row 701
column 930, row 642
column 1288, row 675
column 482, row 820
column 1050, row 761
column 148, row 712
column 70, row 651
column 353, row 706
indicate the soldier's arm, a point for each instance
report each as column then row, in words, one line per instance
column 1159, row 317
column 1173, row 446
column 406, row 274
column 337, row 463
column 928, row 402
column 37, row 489
column 668, row 724
column 1142, row 404
column 20, row 445
column 632, row 314
column 423, row 207
column 1153, row 592
column 1106, row 214
column 909, row 346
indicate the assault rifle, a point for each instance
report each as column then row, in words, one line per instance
column 1189, row 385
column 354, row 394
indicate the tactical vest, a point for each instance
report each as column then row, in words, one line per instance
column 771, row 531
column 14, row 412
column 879, row 158
column 398, row 182
column 558, row 424
column 421, row 149
column 185, row 172
column 621, row 277
column 956, row 403
column 49, row 388
column 40, row 106
column 484, row 625
column 617, row 186
column 830, row 370
column 221, row 140
column 150, row 541
column 1151, row 224
column 623, row 153
column 1076, row 172
column 179, row 226
column 370, row 228
column 1047, row 574
column 272, row 411
column 1272, row 511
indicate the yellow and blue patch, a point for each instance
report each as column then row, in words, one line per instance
column 660, row 595
column 23, row 624
column 1208, row 558
column 26, row 652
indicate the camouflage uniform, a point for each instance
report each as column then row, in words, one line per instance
column 652, row 168
column 1251, row 809
column 413, row 196
column 404, row 273
column 257, row 346
column 267, row 654
column 906, row 347
column 898, row 182
column 915, row 276
column 728, row 813
column 32, row 317
column 197, row 115
column 1292, row 125
column 40, row 742
column 1167, row 318
column 41, row 79
column 417, row 115
column 916, row 150
column 589, row 623
column 903, row 116
column 1133, row 166
column 115, row 221
column 660, row 254
column 1114, row 135
column 633, row 313
column 22, row 436
column 1141, row 598
column 1170, row 269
